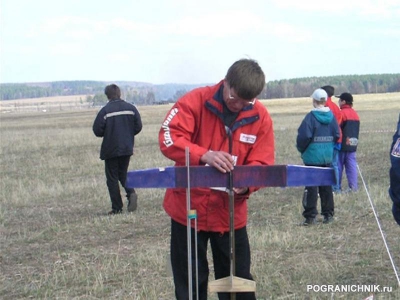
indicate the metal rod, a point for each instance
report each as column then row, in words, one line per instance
column 188, row 226
column 231, row 218
column 197, row 256
column 380, row 228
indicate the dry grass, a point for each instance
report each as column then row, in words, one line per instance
column 57, row 243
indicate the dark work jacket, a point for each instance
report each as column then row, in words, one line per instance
column 117, row 122
column 394, row 190
column 350, row 128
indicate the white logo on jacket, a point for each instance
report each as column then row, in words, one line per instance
column 247, row 138
column 167, row 134
column 396, row 149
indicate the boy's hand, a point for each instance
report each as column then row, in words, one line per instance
column 223, row 161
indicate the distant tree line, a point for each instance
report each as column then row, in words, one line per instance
column 132, row 91
column 355, row 84
column 146, row 93
column 9, row 91
column 142, row 95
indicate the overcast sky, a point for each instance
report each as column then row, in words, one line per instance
column 189, row 41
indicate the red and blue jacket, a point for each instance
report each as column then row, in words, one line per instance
column 196, row 121
column 350, row 128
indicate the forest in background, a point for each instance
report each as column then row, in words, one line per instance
column 143, row 93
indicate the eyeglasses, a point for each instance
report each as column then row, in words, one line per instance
column 238, row 100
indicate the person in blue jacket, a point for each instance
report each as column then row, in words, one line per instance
column 394, row 190
column 317, row 135
column 117, row 123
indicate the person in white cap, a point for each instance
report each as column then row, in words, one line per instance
column 316, row 138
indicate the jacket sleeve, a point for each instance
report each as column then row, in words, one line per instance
column 304, row 134
column 178, row 130
column 336, row 129
column 137, row 121
column 99, row 124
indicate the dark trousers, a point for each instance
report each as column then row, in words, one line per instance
column 220, row 253
column 310, row 201
column 116, row 169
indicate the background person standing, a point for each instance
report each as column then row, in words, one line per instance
column 317, row 135
column 330, row 90
column 350, row 131
column 394, row 190
column 117, row 123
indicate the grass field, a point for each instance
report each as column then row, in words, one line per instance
column 57, row 243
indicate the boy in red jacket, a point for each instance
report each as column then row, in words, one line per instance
column 200, row 120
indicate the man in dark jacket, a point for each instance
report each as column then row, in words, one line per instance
column 117, row 123
column 394, row 190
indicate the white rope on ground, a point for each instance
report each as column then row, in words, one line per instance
column 378, row 131
column 380, row 228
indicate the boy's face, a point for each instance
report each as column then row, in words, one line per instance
column 232, row 101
